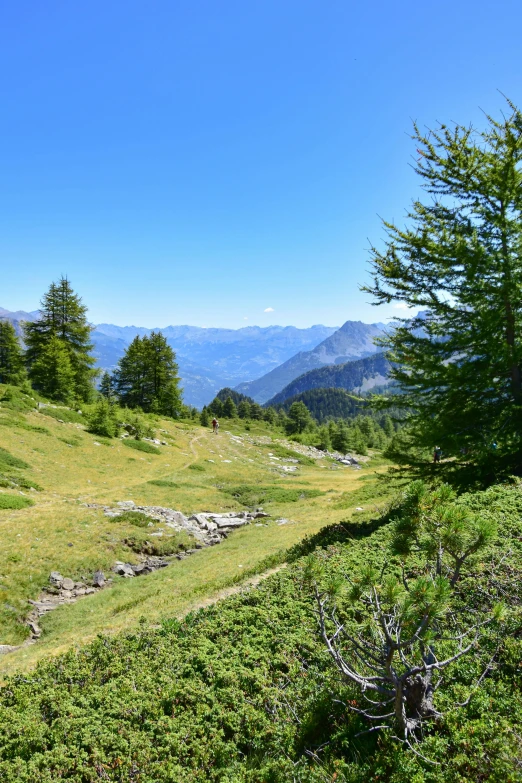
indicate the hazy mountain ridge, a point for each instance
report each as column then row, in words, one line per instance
column 208, row 358
column 354, row 340
column 358, row 376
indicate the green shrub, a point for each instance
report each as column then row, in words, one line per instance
column 167, row 544
column 18, row 481
column 196, row 466
column 163, row 483
column 102, row 420
column 245, row 691
column 140, row 445
column 65, row 414
column 137, row 518
column 15, row 399
column 14, row 501
column 251, row 495
column 7, row 459
column 283, row 451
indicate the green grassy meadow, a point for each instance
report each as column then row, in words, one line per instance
column 73, row 467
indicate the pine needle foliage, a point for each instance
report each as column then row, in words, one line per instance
column 64, row 372
column 147, row 376
column 12, row 369
column 459, row 360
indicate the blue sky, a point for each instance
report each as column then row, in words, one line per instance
column 226, row 163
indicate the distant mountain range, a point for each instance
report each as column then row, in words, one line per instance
column 208, row 359
column 354, row 340
column 357, row 376
column 266, row 363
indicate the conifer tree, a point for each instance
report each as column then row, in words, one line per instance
column 147, row 376
column 216, row 407
column 62, row 317
column 12, row 369
column 459, row 361
column 298, row 418
column 341, row 440
column 129, row 377
column 243, row 409
column 256, row 411
column 270, row 415
column 52, row 372
column 204, row 417
column 107, row 388
column 229, row 409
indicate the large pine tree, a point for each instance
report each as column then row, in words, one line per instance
column 459, row 261
column 147, row 376
column 11, row 358
column 52, row 372
column 62, row 317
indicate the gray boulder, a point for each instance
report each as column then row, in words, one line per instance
column 98, row 579
column 56, row 578
column 123, row 569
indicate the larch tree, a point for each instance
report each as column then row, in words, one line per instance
column 458, row 264
column 12, row 368
column 147, row 376
column 52, row 372
column 63, row 317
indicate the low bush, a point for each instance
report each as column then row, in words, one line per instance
column 163, row 483
column 140, row 445
column 168, row 544
column 8, row 460
column 14, row 501
column 197, row 466
column 63, row 414
column 283, row 451
column 137, row 518
column 251, row 495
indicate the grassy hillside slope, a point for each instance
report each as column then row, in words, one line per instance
column 245, row 692
column 73, row 467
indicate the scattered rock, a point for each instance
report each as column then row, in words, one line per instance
column 67, row 584
column 98, row 579
column 56, row 578
column 123, row 569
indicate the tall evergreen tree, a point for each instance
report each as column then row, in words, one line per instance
column 298, row 418
column 107, row 387
column 147, row 376
column 243, row 409
column 460, row 361
column 52, row 372
column 11, row 358
column 129, row 377
column 63, row 317
column 229, row 409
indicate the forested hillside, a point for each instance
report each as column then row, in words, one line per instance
column 353, row 340
column 327, row 403
column 357, row 376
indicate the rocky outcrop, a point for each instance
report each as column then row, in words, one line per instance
column 206, row 527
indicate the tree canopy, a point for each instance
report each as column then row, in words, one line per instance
column 63, row 317
column 459, row 360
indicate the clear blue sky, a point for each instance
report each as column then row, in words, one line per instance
column 200, row 161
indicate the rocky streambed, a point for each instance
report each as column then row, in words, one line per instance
column 207, row 528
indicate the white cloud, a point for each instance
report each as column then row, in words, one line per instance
column 402, row 306
column 245, row 318
column 268, row 310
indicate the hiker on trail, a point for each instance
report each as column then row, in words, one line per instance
column 437, row 454
column 215, row 426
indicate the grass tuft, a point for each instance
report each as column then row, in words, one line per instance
column 141, row 445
